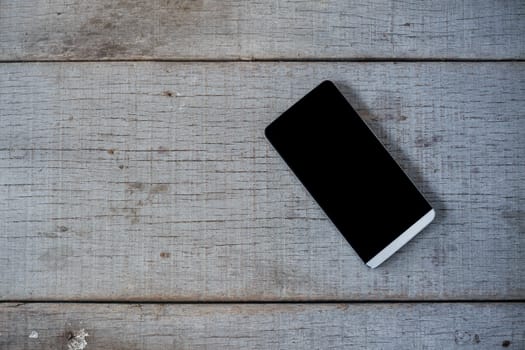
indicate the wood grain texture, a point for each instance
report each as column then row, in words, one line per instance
column 153, row 181
column 265, row 326
column 205, row 29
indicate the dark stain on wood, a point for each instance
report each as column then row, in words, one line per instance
column 104, row 32
column 62, row 228
column 48, row 234
column 162, row 149
column 509, row 213
column 439, row 256
column 513, row 216
column 428, row 142
column 134, row 216
column 159, row 188
column 406, row 24
column 121, row 166
column 135, row 186
column 167, row 93
column 186, row 5
column 109, row 49
column 96, row 39
column 165, row 255
column 143, row 195
column 111, row 151
column 95, row 22
column 506, row 343
column 130, row 213
column 343, row 307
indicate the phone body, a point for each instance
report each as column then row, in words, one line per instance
column 350, row 174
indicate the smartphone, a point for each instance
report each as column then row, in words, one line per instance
column 350, row 174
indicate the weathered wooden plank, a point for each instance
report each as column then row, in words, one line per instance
column 263, row 326
column 153, row 181
column 199, row 29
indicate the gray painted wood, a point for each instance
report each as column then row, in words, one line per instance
column 264, row 326
column 203, row 29
column 153, row 181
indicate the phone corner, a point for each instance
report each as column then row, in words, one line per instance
column 432, row 215
column 371, row 265
column 267, row 131
column 327, row 82
column 429, row 217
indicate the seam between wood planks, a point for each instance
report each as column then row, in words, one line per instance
column 277, row 60
column 305, row 301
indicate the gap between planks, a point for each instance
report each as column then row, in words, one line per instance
column 284, row 302
column 276, row 60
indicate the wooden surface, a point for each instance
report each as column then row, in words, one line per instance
column 263, row 326
column 205, row 29
column 113, row 189
column 124, row 182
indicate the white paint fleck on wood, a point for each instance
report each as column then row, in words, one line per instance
column 33, row 335
column 77, row 340
column 301, row 29
column 269, row 326
column 113, row 187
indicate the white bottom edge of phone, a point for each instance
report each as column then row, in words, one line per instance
column 403, row 239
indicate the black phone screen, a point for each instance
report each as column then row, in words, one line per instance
column 347, row 170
